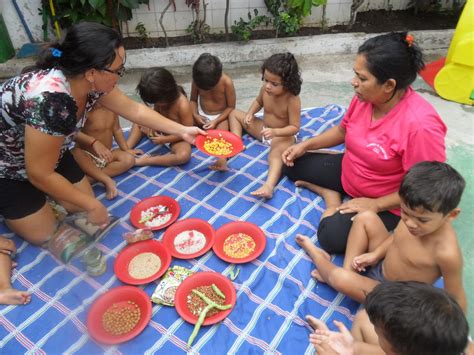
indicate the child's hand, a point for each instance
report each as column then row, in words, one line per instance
column 330, row 342
column 359, row 263
column 102, row 151
column 7, row 245
column 267, row 133
column 248, row 118
column 210, row 125
column 159, row 139
column 201, row 120
column 147, row 131
column 135, row 152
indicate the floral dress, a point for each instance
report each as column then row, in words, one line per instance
column 40, row 99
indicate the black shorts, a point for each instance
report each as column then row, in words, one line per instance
column 19, row 199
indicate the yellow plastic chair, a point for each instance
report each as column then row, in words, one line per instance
column 455, row 81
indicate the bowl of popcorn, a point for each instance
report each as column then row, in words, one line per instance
column 119, row 315
column 218, row 143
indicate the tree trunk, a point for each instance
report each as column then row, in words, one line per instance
column 226, row 19
column 170, row 2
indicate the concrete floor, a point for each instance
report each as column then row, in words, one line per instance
column 327, row 81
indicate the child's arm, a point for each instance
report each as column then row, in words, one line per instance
column 121, row 141
column 134, row 136
column 229, row 92
column 360, row 262
column 293, row 127
column 256, row 106
column 200, row 120
column 97, row 147
column 450, row 262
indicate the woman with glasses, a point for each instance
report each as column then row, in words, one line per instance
column 41, row 112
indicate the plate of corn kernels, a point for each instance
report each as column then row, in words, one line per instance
column 239, row 242
column 218, row 143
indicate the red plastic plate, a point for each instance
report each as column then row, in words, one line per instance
column 143, row 205
column 204, row 279
column 128, row 253
column 239, row 227
column 230, row 137
column 189, row 224
column 118, row 295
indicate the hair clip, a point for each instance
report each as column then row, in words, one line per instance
column 409, row 39
column 56, row 52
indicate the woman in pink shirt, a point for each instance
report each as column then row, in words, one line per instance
column 387, row 129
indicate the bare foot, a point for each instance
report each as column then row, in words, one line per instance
column 12, row 296
column 316, row 323
column 110, row 189
column 316, row 275
column 264, row 191
column 330, row 196
column 309, row 247
column 219, row 165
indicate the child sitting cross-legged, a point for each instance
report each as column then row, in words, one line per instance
column 399, row 318
column 422, row 248
column 212, row 97
column 159, row 89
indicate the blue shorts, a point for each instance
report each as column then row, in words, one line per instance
column 376, row 272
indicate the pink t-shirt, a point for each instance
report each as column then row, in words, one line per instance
column 379, row 153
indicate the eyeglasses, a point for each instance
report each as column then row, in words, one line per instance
column 120, row 72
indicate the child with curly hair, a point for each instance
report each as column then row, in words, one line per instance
column 158, row 88
column 281, row 114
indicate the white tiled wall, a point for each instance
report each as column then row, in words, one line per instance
column 176, row 22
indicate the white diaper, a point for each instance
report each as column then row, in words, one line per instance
column 202, row 113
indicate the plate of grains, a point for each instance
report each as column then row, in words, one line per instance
column 142, row 262
column 239, row 242
column 218, row 143
column 155, row 212
column 215, row 287
column 119, row 315
column 189, row 238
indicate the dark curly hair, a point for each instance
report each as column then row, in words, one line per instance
column 391, row 56
column 159, row 85
column 285, row 66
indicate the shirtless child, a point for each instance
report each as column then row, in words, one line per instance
column 9, row 295
column 212, row 97
column 423, row 246
column 159, row 89
column 281, row 114
column 94, row 153
column 409, row 318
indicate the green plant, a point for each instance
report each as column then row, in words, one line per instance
column 243, row 29
column 198, row 29
column 141, row 30
column 303, row 8
column 288, row 14
column 107, row 12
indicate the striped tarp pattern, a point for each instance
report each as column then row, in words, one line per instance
column 274, row 292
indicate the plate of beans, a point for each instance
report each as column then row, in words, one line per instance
column 214, row 287
column 119, row 315
column 218, row 143
column 239, row 242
